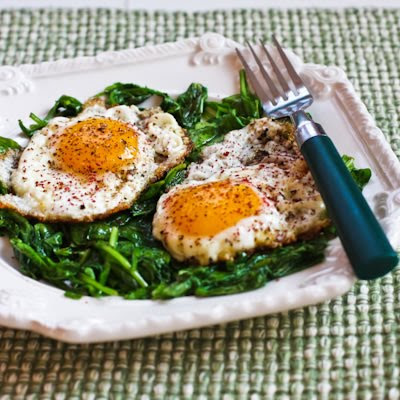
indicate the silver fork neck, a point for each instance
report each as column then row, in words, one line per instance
column 306, row 128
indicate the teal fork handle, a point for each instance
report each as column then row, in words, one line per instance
column 362, row 237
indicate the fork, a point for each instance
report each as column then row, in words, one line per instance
column 362, row 237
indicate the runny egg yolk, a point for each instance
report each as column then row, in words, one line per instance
column 96, row 145
column 208, row 209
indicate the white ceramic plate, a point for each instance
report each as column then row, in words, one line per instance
column 171, row 67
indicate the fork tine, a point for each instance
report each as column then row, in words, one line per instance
column 278, row 73
column 274, row 91
column 261, row 93
column 298, row 82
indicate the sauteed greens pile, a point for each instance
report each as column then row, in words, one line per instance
column 119, row 256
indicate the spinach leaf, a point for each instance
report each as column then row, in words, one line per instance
column 187, row 108
column 143, row 207
column 13, row 224
column 191, row 105
column 65, row 106
column 132, row 94
column 39, row 124
column 128, row 94
column 360, row 175
column 147, row 202
column 7, row 144
column 3, row 188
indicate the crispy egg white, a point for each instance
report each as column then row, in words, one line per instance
column 8, row 162
column 251, row 190
column 92, row 165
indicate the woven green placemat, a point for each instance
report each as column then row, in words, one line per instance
column 348, row 348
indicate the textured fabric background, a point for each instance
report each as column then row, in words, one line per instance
column 348, row 348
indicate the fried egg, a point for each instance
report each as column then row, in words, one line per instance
column 251, row 190
column 92, row 165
